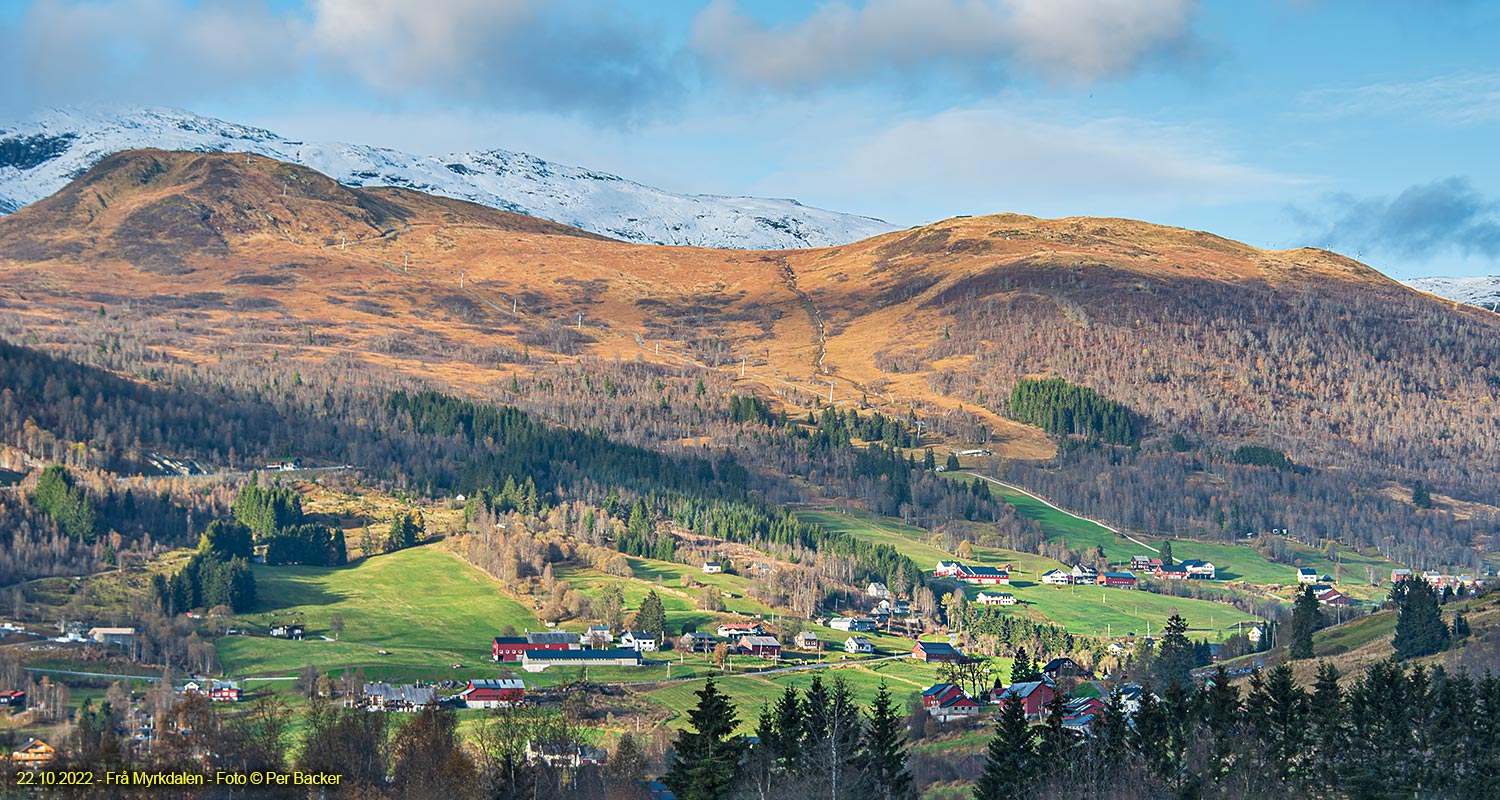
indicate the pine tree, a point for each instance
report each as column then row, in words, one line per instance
column 1420, row 630
column 706, row 761
column 952, row 465
column 650, row 618
column 1421, row 496
column 785, row 744
column 1010, row 767
column 1054, row 742
column 1166, row 553
column 1175, row 657
column 1307, row 617
column 1325, row 727
column 1023, row 669
column 884, row 754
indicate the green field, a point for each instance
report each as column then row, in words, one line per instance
column 424, row 606
column 1085, row 611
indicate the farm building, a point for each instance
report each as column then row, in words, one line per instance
column 407, row 697
column 735, row 630
column 1034, row 696
column 932, row 652
column 995, row 599
column 759, row 646
column 293, row 632
column 853, row 624
column 1119, row 580
column 513, row 648
column 542, row 659
column 982, row 576
column 503, row 693
column 696, row 642
column 120, row 637
column 946, row 701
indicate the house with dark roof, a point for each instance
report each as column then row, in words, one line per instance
column 1065, row 667
column 934, row 652
column 1118, row 580
column 542, row 659
column 946, row 701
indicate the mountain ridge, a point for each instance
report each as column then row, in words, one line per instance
column 38, row 157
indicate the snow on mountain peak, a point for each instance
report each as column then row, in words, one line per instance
column 1482, row 291
column 40, row 156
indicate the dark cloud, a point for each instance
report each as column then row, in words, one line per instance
column 1448, row 215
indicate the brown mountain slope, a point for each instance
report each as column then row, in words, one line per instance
column 1300, row 349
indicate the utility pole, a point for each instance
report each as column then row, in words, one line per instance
column 513, row 303
column 461, row 274
column 742, row 366
column 406, row 263
column 343, row 240
column 580, row 320
column 830, row 391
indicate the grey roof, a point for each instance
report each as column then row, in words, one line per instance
column 415, row 695
column 551, row 637
column 584, row 655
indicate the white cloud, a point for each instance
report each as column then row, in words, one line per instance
column 1069, row 40
column 1458, row 99
column 985, row 160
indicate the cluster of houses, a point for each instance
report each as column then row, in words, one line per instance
column 946, row 702
column 216, row 690
column 973, row 574
column 1185, row 569
column 1437, row 580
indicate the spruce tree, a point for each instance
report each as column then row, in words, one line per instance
column 785, row 744
column 884, row 754
column 1175, row 657
column 650, row 618
column 1420, row 630
column 952, row 465
column 1010, row 767
column 1023, row 669
column 706, row 760
column 1421, row 496
column 1326, row 727
column 1307, row 617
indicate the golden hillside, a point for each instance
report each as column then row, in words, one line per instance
column 1195, row 331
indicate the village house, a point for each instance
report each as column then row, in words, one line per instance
column 946, row 569
column 1084, row 574
column 1255, row 634
column 1065, row 667
column 1399, row 575
column 540, row 660
column 1199, row 569
column 712, row 568
column 1117, row 580
column 599, row 635
column 1144, row 563
column 1330, row 596
column 564, row 755
column 995, row 599
column 225, row 692
column 1057, row 577
column 878, row 591
column 407, row 697
column 1034, row 696
column 858, row 644
column 807, row 640
column 293, row 632
column 853, row 624
column 1176, row 572
column 513, row 648
column 1130, row 698
column 13, row 698
column 732, row 631
column 697, row 642
column 1081, row 713
column 502, row 693
column 118, row 637
column 638, row 642
column 946, row 701
column 1306, row 575
column 759, row 646
column 935, row 652
column 33, row 754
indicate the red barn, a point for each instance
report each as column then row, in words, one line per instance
column 512, row 648
column 937, row 651
column 760, row 646
column 494, row 694
column 1034, row 696
column 1123, row 580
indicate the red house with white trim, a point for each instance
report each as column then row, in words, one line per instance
column 946, row 701
column 759, row 646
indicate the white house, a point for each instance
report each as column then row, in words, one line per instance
column 946, row 569
column 1306, row 575
column 858, row 644
column 1056, row 577
column 995, row 599
column 639, row 642
column 878, row 591
column 712, row 567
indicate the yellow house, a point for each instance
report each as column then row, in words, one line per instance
column 33, row 753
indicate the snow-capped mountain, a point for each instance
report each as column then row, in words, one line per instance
column 40, row 156
column 1482, row 291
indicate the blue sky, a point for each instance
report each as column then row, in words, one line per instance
column 1368, row 126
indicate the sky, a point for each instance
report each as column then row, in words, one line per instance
column 1368, row 127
